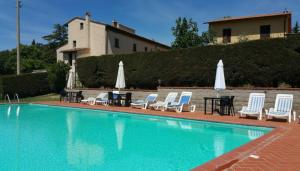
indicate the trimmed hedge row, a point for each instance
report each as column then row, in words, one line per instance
column 26, row 85
column 262, row 63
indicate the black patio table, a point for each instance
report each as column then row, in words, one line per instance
column 213, row 99
column 118, row 98
column 71, row 95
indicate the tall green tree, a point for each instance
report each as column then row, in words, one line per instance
column 208, row 37
column 296, row 28
column 185, row 33
column 33, row 42
column 58, row 37
column 57, row 76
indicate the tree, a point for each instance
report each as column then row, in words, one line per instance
column 296, row 28
column 58, row 37
column 33, row 42
column 208, row 37
column 185, row 33
column 57, row 76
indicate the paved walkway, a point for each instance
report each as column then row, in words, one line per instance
column 278, row 150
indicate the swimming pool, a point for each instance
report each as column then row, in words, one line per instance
column 41, row 137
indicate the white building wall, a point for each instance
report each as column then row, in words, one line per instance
column 75, row 34
column 94, row 40
column 126, row 44
column 98, row 40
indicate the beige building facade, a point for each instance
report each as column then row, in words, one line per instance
column 239, row 29
column 90, row 38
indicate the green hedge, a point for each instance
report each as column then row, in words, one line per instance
column 263, row 63
column 26, row 85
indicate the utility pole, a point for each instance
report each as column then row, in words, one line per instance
column 18, row 36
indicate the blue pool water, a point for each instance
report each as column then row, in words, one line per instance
column 40, row 137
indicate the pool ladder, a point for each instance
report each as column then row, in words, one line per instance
column 7, row 98
column 16, row 98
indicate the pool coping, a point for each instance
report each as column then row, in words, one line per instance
column 222, row 162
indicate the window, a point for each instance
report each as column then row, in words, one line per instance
column 74, row 44
column 265, row 31
column 117, row 43
column 81, row 26
column 134, row 47
column 146, row 49
column 227, row 35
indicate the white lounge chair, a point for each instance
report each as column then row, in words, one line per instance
column 145, row 103
column 92, row 100
column 283, row 107
column 255, row 105
column 183, row 104
column 102, row 99
column 89, row 100
column 171, row 97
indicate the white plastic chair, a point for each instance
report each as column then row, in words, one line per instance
column 150, row 99
column 183, row 104
column 283, row 107
column 101, row 99
column 255, row 105
column 171, row 97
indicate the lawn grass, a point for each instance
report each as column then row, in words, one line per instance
column 47, row 97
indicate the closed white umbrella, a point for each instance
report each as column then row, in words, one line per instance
column 220, row 79
column 70, row 80
column 120, row 83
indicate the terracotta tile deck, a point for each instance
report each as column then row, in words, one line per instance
column 278, row 150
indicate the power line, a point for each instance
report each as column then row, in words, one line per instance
column 19, row 5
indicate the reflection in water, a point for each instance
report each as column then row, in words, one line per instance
column 219, row 143
column 18, row 111
column 119, row 127
column 8, row 111
column 253, row 134
column 172, row 123
column 79, row 152
column 185, row 125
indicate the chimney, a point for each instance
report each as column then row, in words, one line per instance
column 122, row 27
column 88, row 25
column 88, row 16
column 114, row 23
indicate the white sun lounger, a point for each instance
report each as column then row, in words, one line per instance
column 183, row 104
column 255, row 105
column 145, row 103
column 102, row 99
column 161, row 105
column 92, row 100
column 89, row 100
column 283, row 107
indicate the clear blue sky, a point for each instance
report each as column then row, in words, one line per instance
column 151, row 18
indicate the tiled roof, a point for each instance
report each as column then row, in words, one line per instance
column 248, row 17
column 109, row 27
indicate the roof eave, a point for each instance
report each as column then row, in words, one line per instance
column 246, row 18
column 137, row 36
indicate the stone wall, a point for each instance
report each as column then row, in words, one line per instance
column 241, row 95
